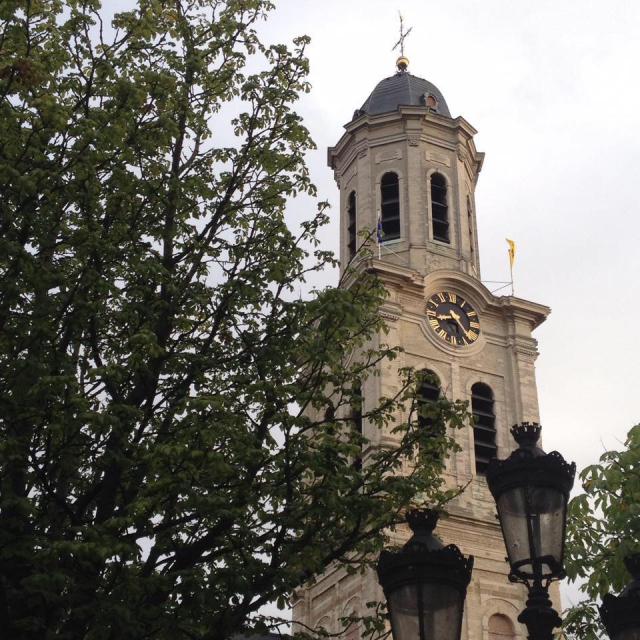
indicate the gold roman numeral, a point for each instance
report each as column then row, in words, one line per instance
column 452, row 297
column 442, row 298
column 442, row 333
column 474, row 325
column 472, row 336
column 431, row 314
column 434, row 323
column 472, row 314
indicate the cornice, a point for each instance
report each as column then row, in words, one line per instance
column 521, row 309
column 410, row 280
column 414, row 283
column 463, row 124
column 346, row 150
column 407, row 113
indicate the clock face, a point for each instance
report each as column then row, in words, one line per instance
column 452, row 318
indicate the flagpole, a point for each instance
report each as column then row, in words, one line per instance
column 511, row 270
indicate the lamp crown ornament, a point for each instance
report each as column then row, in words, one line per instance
column 422, row 523
column 527, row 434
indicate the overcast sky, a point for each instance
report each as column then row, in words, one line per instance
column 553, row 88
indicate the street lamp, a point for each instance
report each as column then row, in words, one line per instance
column 531, row 489
column 425, row 583
column 621, row 614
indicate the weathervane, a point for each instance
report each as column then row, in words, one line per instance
column 402, row 62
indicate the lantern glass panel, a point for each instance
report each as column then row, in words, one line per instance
column 442, row 606
column 532, row 521
column 441, row 612
column 405, row 622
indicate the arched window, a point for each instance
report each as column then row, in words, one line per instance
column 429, row 391
column 351, row 224
column 484, row 428
column 389, row 207
column 356, row 417
column 439, row 208
column 500, row 627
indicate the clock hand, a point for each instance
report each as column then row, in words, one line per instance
column 456, row 317
column 443, row 317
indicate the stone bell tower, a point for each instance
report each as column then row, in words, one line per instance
column 407, row 172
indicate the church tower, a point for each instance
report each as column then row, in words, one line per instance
column 408, row 169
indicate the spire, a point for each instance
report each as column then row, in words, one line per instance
column 402, row 62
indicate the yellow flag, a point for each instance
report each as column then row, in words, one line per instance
column 512, row 251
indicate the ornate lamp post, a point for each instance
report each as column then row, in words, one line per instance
column 425, row 583
column 531, row 489
column 621, row 614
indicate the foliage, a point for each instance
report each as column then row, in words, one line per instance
column 176, row 444
column 603, row 528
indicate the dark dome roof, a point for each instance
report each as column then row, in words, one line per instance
column 402, row 89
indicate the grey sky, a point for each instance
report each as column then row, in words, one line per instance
column 552, row 88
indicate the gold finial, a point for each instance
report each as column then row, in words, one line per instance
column 402, row 62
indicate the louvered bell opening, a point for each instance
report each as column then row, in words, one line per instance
column 484, row 428
column 390, row 207
column 439, row 208
column 429, row 392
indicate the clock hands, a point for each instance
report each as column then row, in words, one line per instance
column 456, row 317
column 453, row 319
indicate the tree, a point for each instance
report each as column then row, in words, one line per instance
column 176, row 446
column 603, row 528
